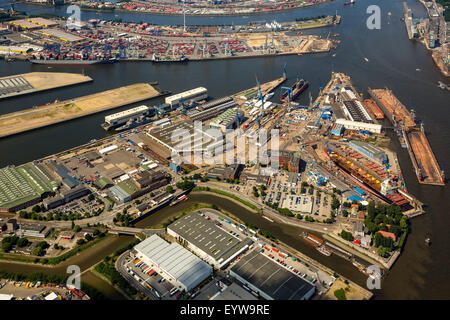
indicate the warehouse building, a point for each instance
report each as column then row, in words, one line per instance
column 354, row 125
column 187, row 97
column 226, row 120
column 370, row 151
column 207, row 239
column 269, row 279
column 176, row 264
column 23, row 186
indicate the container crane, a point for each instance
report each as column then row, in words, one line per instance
column 107, row 48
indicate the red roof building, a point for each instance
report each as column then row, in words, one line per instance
column 388, row 235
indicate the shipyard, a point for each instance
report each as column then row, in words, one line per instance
column 331, row 168
column 200, row 152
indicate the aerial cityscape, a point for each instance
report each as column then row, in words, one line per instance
column 217, row 151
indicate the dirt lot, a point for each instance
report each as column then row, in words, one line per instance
column 351, row 292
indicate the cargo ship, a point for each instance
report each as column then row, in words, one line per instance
column 380, row 186
column 178, row 200
column 312, row 239
column 157, row 59
column 127, row 119
column 73, row 62
column 297, row 88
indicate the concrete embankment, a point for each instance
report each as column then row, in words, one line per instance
column 33, row 82
column 38, row 117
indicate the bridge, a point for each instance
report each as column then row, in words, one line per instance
column 133, row 231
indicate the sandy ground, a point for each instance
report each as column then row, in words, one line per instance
column 33, row 118
column 351, row 292
column 48, row 80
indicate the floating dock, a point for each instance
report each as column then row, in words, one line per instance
column 38, row 117
column 21, row 84
column 422, row 157
column 396, row 112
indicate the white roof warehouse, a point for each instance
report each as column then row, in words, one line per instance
column 176, row 264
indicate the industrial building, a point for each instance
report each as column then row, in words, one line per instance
column 61, row 35
column 33, row 230
column 269, row 279
column 207, row 239
column 211, row 109
column 123, row 116
column 176, row 264
column 227, row 119
column 354, row 125
column 231, row 172
column 184, row 137
column 290, row 160
column 337, row 129
column 187, row 97
column 32, row 23
column 23, row 186
column 369, row 150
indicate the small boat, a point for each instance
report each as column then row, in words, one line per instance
column 428, row 241
column 333, row 55
column 349, row 2
column 178, row 200
column 367, row 60
column 323, row 250
column 418, row 70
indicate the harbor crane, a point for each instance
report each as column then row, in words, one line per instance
column 289, row 93
column 260, row 96
column 284, row 70
column 107, row 48
column 160, row 111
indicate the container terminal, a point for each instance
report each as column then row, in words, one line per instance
column 422, row 157
column 59, row 111
column 33, row 82
column 99, row 42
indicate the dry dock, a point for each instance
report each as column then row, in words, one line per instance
column 33, row 82
column 396, row 112
column 423, row 159
column 37, row 117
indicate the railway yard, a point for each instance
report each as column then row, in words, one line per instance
column 102, row 41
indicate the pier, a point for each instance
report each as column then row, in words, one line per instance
column 60, row 111
column 33, row 82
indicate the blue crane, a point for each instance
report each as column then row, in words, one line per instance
column 107, row 48
column 258, row 121
column 284, row 70
column 289, row 93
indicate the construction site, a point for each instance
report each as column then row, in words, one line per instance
column 422, row 157
column 59, row 111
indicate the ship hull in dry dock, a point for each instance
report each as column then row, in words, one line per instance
column 297, row 88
